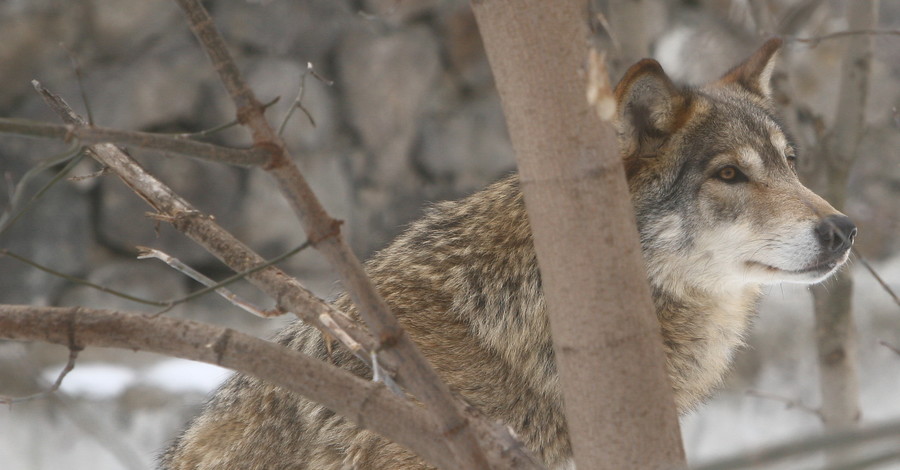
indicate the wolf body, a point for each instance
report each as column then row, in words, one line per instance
column 720, row 213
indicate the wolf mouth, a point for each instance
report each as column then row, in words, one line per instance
column 822, row 267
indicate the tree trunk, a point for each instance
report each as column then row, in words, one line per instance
column 618, row 400
column 835, row 328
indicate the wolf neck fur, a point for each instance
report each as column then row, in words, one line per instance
column 701, row 324
column 702, row 327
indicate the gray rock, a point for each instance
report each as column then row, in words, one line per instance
column 468, row 147
column 305, row 29
column 161, row 87
column 124, row 27
column 54, row 233
column 386, row 81
column 30, row 37
column 397, row 12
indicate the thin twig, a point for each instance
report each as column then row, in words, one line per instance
column 868, row 461
column 73, row 156
column 800, row 447
column 601, row 18
column 213, row 130
column 148, row 140
column 890, row 346
column 219, row 287
column 788, row 402
column 76, row 67
column 884, row 285
column 83, row 282
column 176, row 264
column 298, row 102
column 101, row 172
column 815, row 40
column 70, row 364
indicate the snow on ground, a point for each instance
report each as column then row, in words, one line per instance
column 106, row 381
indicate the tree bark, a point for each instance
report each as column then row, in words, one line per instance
column 618, row 400
column 834, row 326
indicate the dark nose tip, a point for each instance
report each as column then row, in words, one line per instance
column 836, row 233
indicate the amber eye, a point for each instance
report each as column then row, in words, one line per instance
column 731, row 174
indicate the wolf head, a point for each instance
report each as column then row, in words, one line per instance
column 713, row 179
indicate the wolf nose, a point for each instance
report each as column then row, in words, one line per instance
column 836, row 233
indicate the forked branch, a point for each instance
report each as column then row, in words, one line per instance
column 366, row 403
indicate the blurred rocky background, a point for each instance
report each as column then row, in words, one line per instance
column 404, row 113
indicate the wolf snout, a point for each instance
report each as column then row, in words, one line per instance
column 836, row 233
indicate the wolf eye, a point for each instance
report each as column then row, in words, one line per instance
column 730, row 174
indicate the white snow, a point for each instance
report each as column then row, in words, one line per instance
column 98, row 381
column 180, row 375
column 93, row 381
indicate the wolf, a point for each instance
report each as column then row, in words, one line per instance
column 720, row 211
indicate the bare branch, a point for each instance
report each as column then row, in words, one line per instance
column 298, row 101
column 884, row 285
column 287, row 292
column 815, row 40
column 70, row 364
column 324, row 231
column 216, row 286
column 83, row 282
column 368, row 404
column 76, row 67
column 890, row 346
column 806, row 446
column 868, row 462
column 15, row 212
column 788, row 402
column 161, row 142
column 176, row 264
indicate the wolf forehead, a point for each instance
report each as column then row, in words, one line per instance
column 724, row 123
column 725, row 129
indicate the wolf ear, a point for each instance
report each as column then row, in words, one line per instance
column 755, row 74
column 649, row 107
